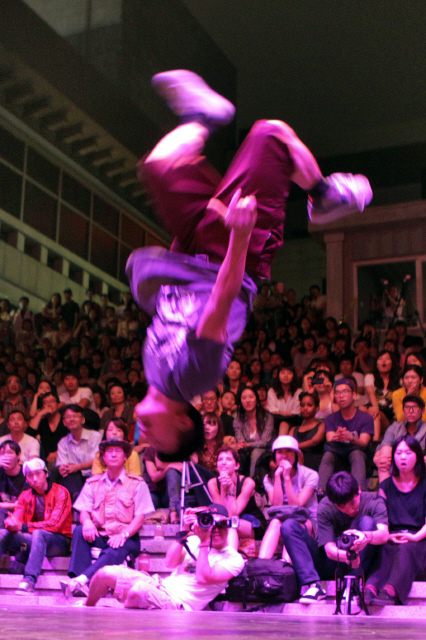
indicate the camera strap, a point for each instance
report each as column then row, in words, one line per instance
column 182, row 538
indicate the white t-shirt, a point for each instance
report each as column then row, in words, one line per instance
column 291, row 405
column 182, row 584
column 30, row 447
column 82, row 393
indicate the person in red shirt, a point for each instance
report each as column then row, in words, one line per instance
column 41, row 521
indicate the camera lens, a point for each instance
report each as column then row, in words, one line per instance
column 205, row 520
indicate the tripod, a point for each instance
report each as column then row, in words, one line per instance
column 348, row 586
column 186, row 485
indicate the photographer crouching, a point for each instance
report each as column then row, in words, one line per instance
column 345, row 510
column 202, row 560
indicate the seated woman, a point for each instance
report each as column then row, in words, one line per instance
column 310, row 434
column 43, row 387
column 412, row 425
column 232, row 380
column 236, row 493
column 228, row 403
column 253, row 429
column 255, row 373
column 415, row 358
column 283, row 397
column 117, row 429
column 412, row 384
column 99, row 398
column 404, row 555
column 290, row 484
column 119, row 407
column 213, row 441
column 379, row 387
column 323, row 386
column 262, row 392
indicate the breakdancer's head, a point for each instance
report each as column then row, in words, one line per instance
column 175, row 429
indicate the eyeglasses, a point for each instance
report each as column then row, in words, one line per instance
column 411, row 407
column 221, row 525
column 343, row 392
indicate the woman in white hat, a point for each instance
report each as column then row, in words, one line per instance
column 290, row 484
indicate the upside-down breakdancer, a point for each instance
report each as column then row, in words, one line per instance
column 226, row 232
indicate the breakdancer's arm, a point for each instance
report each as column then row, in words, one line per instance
column 240, row 219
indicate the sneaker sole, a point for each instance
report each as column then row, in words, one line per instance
column 186, row 93
column 383, row 603
column 307, row 600
column 360, row 194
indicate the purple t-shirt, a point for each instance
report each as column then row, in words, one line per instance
column 362, row 422
column 174, row 289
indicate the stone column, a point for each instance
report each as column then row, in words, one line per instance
column 335, row 273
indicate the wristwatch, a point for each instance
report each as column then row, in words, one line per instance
column 125, row 534
column 354, row 435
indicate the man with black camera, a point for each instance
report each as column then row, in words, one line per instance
column 345, row 511
column 202, row 560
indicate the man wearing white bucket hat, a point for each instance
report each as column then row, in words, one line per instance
column 41, row 522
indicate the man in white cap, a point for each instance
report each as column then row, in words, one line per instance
column 41, row 521
column 201, row 570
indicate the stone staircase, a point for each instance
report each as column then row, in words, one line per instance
column 414, row 609
column 48, row 592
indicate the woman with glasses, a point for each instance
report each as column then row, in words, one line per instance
column 412, row 424
column 404, row 555
column 412, row 384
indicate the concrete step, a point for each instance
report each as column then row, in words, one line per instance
column 149, row 530
column 51, row 577
column 157, row 546
column 418, row 590
column 33, row 599
column 322, row 609
column 325, row 609
column 54, row 600
column 50, row 582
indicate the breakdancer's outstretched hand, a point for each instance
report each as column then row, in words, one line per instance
column 240, row 220
column 241, row 215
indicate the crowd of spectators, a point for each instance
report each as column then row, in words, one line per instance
column 301, row 400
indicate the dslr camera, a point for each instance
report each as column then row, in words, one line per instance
column 206, row 520
column 346, row 541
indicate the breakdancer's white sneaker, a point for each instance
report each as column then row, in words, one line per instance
column 188, row 96
column 346, row 194
column 74, row 588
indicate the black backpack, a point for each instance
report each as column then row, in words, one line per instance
column 262, row 580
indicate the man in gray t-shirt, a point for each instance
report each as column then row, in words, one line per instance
column 345, row 510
